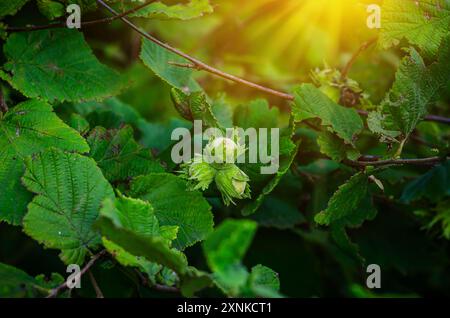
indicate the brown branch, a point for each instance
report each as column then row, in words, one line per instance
column 3, row 105
column 83, row 24
column 396, row 162
column 98, row 291
column 54, row 292
column 158, row 287
column 199, row 64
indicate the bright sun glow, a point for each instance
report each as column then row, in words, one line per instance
column 315, row 30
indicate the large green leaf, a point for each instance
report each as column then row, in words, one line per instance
column 110, row 113
column 159, row 10
column 160, row 61
column 310, row 102
column 225, row 249
column 10, row 7
column 422, row 22
column 69, row 190
column 119, row 156
column 350, row 206
column 176, row 206
column 229, row 242
column 264, row 282
column 138, row 218
column 348, row 199
column 57, row 65
column 133, row 229
column 26, row 129
column 416, row 86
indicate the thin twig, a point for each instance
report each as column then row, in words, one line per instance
column 98, row 291
column 199, row 64
column 438, row 119
column 396, row 162
column 158, row 287
column 83, row 24
column 54, row 292
column 3, row 105
column 166, row 289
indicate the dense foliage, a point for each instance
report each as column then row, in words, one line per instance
column 86, row 175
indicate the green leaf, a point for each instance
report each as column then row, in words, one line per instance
column 335, row 148
column 222, row 111
column 257, row 114
column 378, row 123
column 126, row 259
column 26, row 129
column 224, row 250
column 442, row 217
column 264, row 282
column 137, row 217
column 285, row 164
column 57, row 65
column 350, row 206
column 227, row 245
column 18, row 284
column 78, row 123
column 69, row 189
column 181, row 11
column 10, row 7
column 51, row 9
column 194, row 107
column 423, row 23
column 194, row 281
column 176, row 206
column 434, row 185
column 131, row 214
column 264, row 276
column 110, row 113
column 348, row 199
column 119, row 156
column 416, row 86
column 152, row 248
column 310, row 102
column 160, row 61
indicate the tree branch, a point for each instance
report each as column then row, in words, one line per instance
column 3, row 105
column 396, row 162
column 158, row 287
column 54, row 292
column 97, row 289
column 198, row 64
column 83, row 24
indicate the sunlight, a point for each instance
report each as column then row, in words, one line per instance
column 315, row 30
